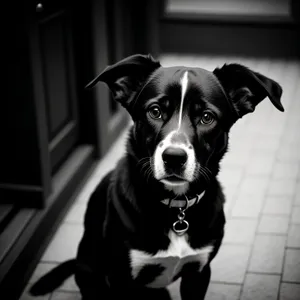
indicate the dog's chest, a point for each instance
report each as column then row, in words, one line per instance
column 160, row 269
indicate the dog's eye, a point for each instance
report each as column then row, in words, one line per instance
column 154, row 112
column 207, row 118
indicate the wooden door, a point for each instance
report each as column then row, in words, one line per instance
column 54, row 70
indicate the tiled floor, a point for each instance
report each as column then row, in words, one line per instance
column 260, row 257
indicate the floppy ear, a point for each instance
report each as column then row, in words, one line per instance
column 246, row 88
column 127, row 76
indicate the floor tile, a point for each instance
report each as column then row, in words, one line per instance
column 65, row 296
column 297, row 195
column 267, row 254
column 230, row 264
column 230, row 196
column 286, row 153
column 278, row 205
column 291, row 139
column 270, row 143
column 285, row 170
column 84, row 195
column 273, row 224
column 260, row 165
column 289, row 291
column 235, row 159
column 76, row 213
column 69, row 285
column 174, row 290
column 240, row 231
column 294, row 236
column 40, row 270
column 64, row 244
column 254, row 185
column 248, row 206
column 291, row 270
column 230, row 176
column 296, row 215
column 222, row 291
column 260, row 287
column 282, row 187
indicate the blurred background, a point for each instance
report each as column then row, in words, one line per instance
column 58, row 139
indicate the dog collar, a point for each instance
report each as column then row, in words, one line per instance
column 184, row 203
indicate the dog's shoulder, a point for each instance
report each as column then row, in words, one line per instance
column 97, row 202
column 99, row 198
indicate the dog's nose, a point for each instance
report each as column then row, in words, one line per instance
column 174, row 157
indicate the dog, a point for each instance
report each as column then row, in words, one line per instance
column 158, row 216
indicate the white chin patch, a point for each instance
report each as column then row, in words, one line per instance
column 166, row 182
column 178, row 189
column 178, row 186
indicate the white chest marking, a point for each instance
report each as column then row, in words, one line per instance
column 184, row 84
column 173, row 259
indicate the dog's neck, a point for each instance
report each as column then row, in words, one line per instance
column 142, row 198
column 183, row 202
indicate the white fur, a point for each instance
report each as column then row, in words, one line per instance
column 184, row 84
column 159, row 169
column 175, row 257
column 179, row 188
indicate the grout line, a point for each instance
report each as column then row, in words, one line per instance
column 264, row 273
column 73, row 222
column 286, row 246
column 291, row 281
column 52, row 262
column 227, row 283
column 292, row 247
column 241, row 218
column 271, row 234
column 277, row 214
column 238, row 244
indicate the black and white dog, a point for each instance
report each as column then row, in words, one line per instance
column 158, row 216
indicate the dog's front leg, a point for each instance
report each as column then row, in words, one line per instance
column 138, row 293
column 194, row 284
column 149, row 294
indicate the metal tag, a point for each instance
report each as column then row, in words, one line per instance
column 180, row 227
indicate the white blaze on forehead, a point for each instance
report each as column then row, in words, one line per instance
column 184, row 84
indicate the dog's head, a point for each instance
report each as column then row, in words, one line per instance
column 182, row 116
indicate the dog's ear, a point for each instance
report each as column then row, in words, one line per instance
column 127, row 76
column 246, row 88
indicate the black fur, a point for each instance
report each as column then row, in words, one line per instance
column 125, row 211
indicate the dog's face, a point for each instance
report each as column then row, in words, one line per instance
column 182, row 116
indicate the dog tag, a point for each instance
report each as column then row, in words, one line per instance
column 180, row 227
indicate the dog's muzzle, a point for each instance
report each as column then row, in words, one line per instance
column 174, row 160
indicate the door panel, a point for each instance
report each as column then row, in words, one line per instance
column 59, row 84
column 55, row 75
